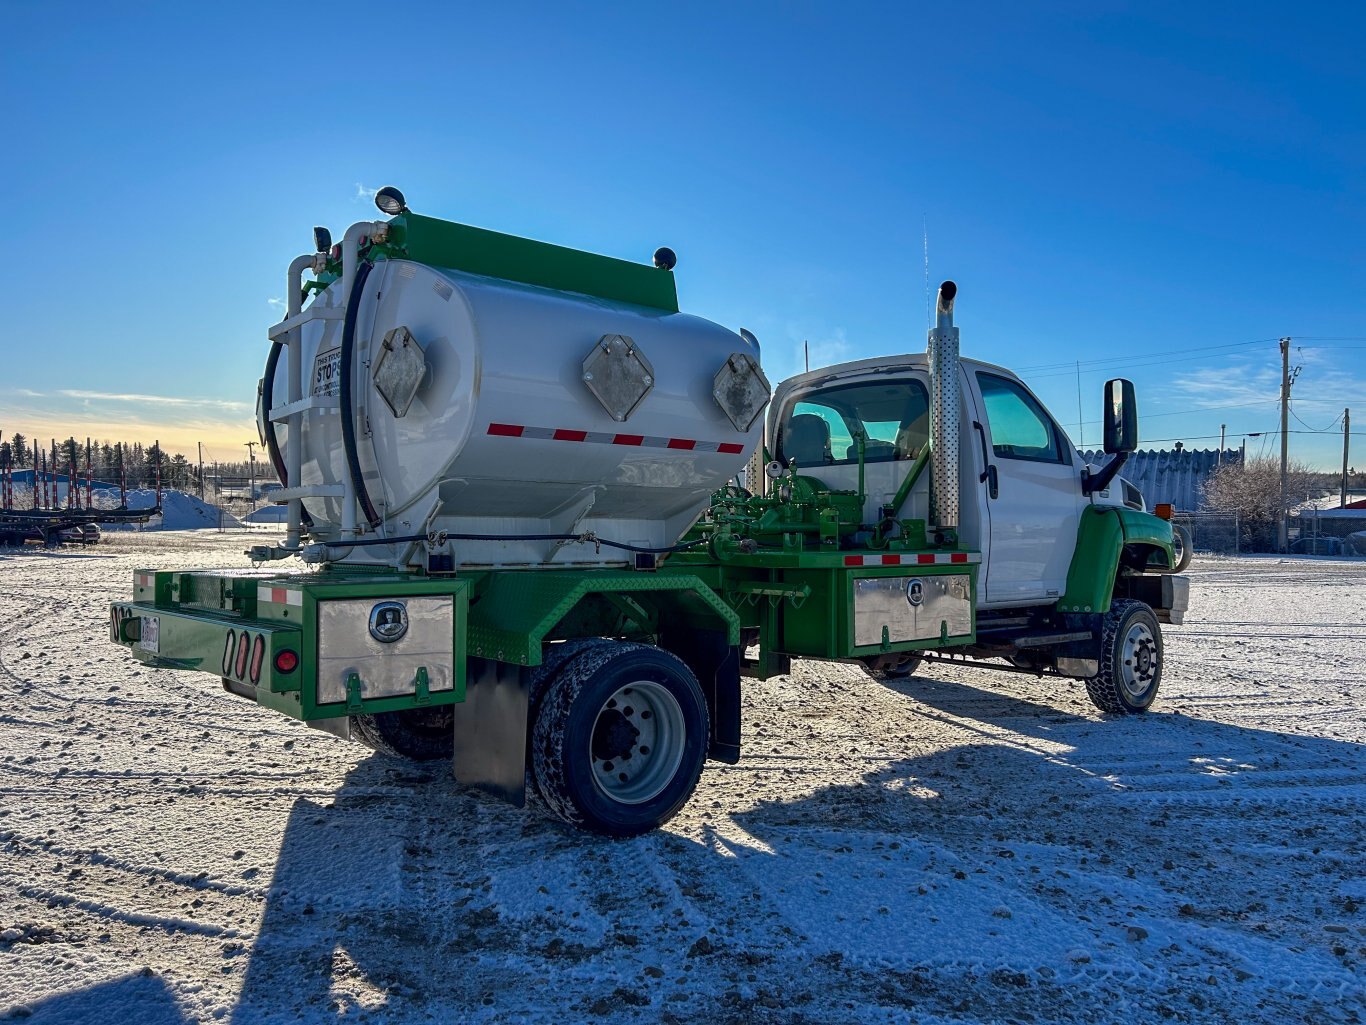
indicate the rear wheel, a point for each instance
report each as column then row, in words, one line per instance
column 892, row 667
column 619, row 738
column 419, row 734
column 1130, row 660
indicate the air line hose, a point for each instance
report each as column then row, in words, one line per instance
column 348, row 409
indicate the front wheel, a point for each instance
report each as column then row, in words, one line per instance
column 619, row 739
column 1130, row 660
column 1181, row 548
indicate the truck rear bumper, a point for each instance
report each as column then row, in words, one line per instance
column 315, row 650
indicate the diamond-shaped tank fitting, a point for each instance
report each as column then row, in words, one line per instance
column 618, row 375
column 741, row 389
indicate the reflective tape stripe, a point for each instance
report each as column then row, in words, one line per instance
column 914, row 559
column 279, row 595
column 728, row 448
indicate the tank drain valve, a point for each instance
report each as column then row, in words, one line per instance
column 267, row 553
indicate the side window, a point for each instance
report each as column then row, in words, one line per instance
column 818, row 429
column 1020, row 429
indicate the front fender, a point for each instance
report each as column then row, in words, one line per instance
column 1102, row 534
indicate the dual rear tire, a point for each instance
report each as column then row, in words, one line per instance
column 618, row 738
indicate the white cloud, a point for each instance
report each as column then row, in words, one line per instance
column 362, row 192
column 156, row 400
column 276, row 301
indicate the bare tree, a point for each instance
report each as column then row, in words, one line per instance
column 1253, row 491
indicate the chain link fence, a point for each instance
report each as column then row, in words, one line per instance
column 1324, row 534
column 1219, row 533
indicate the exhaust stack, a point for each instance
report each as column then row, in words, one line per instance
column 942, row 350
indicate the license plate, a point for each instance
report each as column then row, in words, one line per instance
column 149, row 637
column 326, row 373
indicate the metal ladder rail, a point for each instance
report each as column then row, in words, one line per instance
column 289, row 332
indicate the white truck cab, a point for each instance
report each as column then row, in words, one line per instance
column 1020, row 477
column 1075, row 573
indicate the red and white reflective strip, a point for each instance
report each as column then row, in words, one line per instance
column 604, row 438
column 146, row 579
column 278, row 595
column 915, row 559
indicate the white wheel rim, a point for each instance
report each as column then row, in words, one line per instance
column 637, row 744
column 1139, row 660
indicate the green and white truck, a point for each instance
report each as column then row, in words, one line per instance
column 517, row 536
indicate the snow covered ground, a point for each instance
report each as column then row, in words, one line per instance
column 960, row 847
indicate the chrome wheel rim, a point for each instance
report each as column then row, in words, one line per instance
column 638, row 740
column 1139, row 660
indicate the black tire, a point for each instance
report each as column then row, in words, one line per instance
column 1130, row 660
column 585, row 734
column 419, row 734
column 892, row 667
column 1181, row 547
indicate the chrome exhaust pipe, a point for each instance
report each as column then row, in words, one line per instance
column 942, row 350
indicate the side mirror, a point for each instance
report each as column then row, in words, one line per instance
column 1121, row 417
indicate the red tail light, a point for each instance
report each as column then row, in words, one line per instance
column 243, row 649
column 286, row 661
column 258, row 652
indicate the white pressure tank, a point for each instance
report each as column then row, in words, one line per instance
column 535, row 411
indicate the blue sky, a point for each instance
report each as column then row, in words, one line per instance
column 1158, row 190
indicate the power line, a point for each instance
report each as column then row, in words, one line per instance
column 1315, row 430
column 1201, row 409
column 1266, row 435
column 1159, row 358
column 1110, row 360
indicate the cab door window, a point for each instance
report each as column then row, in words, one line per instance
column 1020, row 429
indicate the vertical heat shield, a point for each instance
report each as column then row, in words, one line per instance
column 942, row 350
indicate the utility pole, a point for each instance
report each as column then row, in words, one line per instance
column 1283, row 525
column 1081, row 424
column 1219, row 459
column 1346, row 437
column 251, row 453
column 201, row 471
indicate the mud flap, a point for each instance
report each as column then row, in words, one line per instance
column 491, row 730
column 716, row 665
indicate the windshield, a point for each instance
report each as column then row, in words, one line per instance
column 819, row 426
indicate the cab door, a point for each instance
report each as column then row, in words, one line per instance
column 1032, row 514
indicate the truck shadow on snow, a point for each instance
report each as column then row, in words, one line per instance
column 137, row 998
column 1027, row 854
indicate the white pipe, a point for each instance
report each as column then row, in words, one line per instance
column 351, row 250
column 294, row 285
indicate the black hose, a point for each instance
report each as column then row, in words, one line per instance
column 271, row 440
column 348, row 409
column 591, row 539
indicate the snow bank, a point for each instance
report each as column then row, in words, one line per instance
column 268, row 514
column 179, row 511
